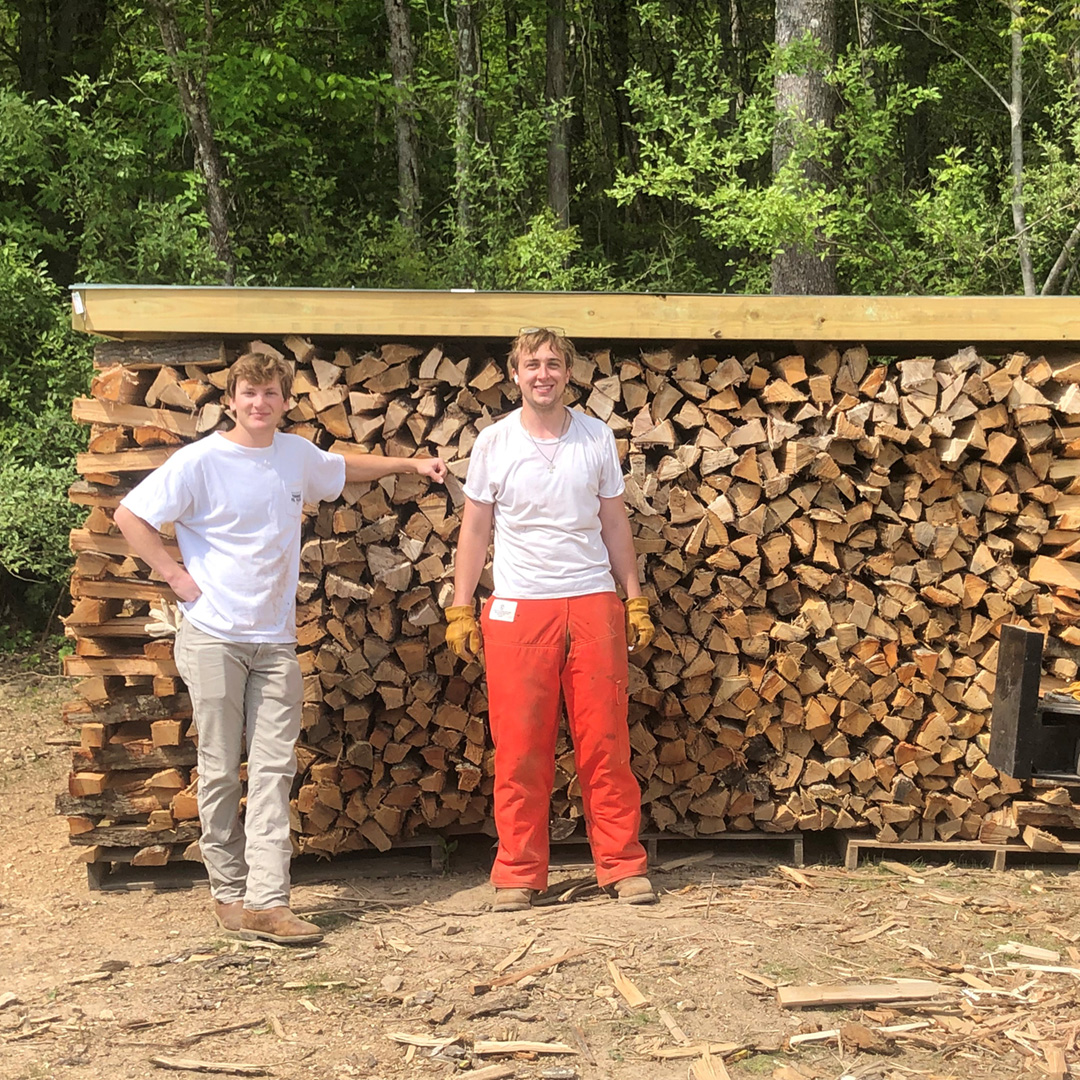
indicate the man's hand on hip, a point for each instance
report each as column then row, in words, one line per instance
column 639, row 627
column 183, row 584
column 463, row 632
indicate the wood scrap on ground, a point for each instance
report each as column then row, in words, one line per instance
column 483, row 1046
column 634, row 997
column 536, row 969
column 811, row 996
column 194, row 1065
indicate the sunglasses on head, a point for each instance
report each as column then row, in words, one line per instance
column 558, row 330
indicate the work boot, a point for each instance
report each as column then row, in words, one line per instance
column 228, row 916
column 634, row 890
column 512, row 900
column 279, row 924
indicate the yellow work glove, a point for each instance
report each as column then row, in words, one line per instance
column 639, row 627
column 462, row 632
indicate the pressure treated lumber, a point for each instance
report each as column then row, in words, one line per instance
column 149, row 311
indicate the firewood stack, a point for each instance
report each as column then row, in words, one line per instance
column 831, row 545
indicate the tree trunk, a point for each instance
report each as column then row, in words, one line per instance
column 196, row 108
column 738, row 53
column 617, row 33
column 57, row 39
column 466, row 50
column 1016, row 149
column 916, row 72
column 803, row 98
column 558, row 156
column 402, row 64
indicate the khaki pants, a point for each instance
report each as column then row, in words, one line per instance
column 245, row 697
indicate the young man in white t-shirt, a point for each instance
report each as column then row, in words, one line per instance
column 236, row 500
column 549, row 481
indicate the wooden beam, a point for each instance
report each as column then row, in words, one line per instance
column 124, row 460
column 120, row 588
column 89, row 411
column 80, row 666
column 84, row 540
column 154, row 311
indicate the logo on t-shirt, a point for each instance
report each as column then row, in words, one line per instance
column 296, row 497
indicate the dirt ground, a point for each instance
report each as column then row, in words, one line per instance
column 96, row 984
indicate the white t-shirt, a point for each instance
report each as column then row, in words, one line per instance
column 237, row 513
column 547, row 520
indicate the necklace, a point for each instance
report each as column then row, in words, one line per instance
column 551, row 460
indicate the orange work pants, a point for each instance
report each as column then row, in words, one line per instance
column 576, row 645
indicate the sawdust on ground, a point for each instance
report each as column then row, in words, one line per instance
column 95, row 985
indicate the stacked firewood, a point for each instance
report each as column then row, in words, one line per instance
column 831, row 544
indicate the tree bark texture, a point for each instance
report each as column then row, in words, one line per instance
column 467, row 54
column 57, row 39
column 402, row 65
column 196, row 108
column 1016, row 149
column 558, row 156
column 916, row 72
column 802, row 97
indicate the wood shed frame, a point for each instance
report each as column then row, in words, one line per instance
column 151, row 312
column 444, row 351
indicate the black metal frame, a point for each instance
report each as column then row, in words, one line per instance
column 1031, row 737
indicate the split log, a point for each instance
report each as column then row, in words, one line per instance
column 831, row 546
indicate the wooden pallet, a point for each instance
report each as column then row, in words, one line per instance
column 999, row 855
column 114, row 872
column 743, row 846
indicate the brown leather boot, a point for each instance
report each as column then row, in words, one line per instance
column 279, row 924
column 227, row 916
column 512, row 900
column 635, row 890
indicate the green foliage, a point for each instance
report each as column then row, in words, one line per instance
column 35, row 518
column 543, row 258
column 43, row 366
column 672, row 119
column 702, row 152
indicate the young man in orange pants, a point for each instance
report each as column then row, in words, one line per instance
column 550, row 483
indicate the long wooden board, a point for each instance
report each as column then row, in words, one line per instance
column 208, row 353
column 801, row 997
column 120, row 589
column 84, row 540
column 124, row 460
column 89, row 411
column 80, row 666
column 130, row 626
column 154, row 310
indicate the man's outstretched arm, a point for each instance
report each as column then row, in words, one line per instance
column 360, row 467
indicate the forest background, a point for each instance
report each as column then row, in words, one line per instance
column 793, row 146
